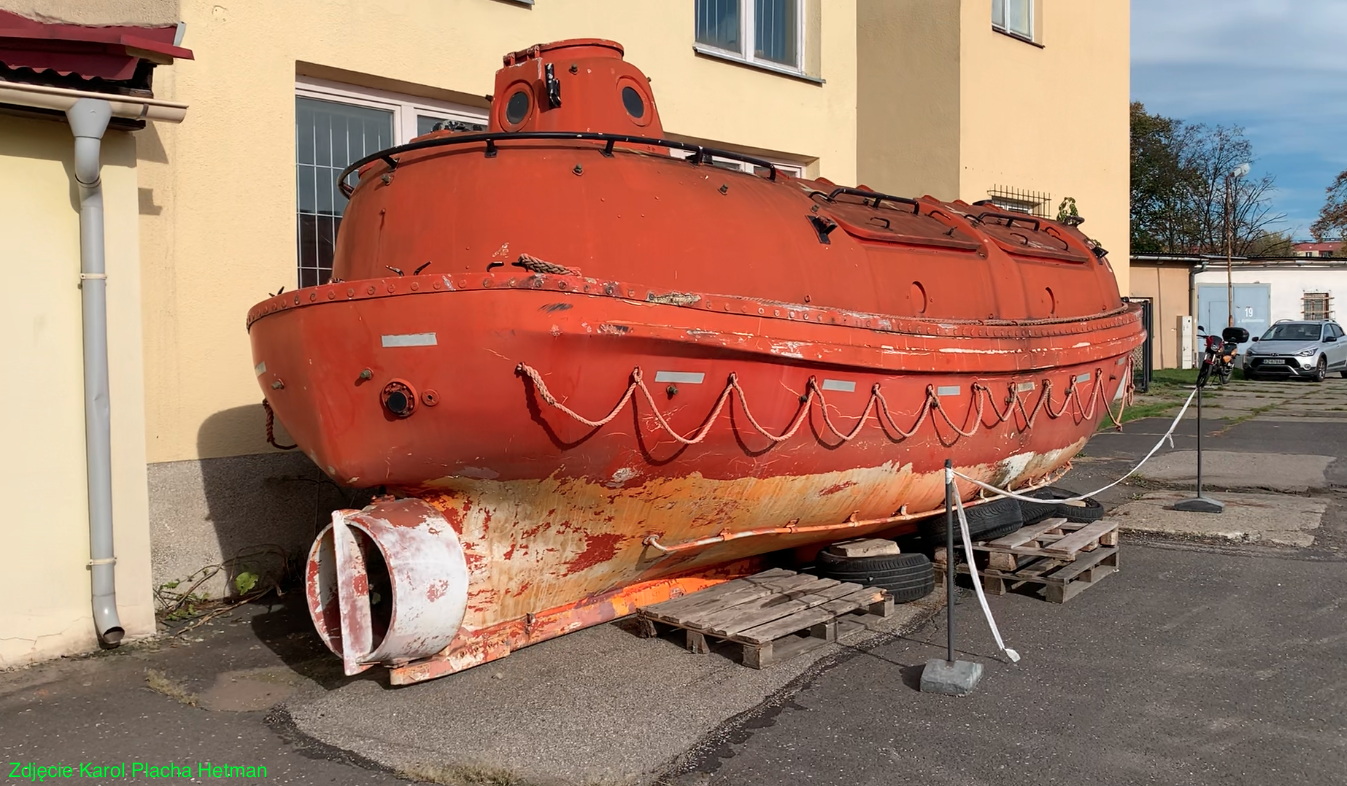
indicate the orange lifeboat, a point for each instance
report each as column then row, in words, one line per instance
column 592, row 369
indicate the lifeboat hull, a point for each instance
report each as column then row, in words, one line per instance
column 591, row 375
column 589, row 442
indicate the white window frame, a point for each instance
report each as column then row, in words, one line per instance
column 747, row 34
column 1005, row 28
column 794, row 170
column 405, row 108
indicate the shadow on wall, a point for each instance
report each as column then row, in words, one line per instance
column 253, row 513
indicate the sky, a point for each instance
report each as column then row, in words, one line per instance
column 1276, row 67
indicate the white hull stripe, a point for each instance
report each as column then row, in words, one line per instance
column 686, row 377
column 844, row 385
column 410, row 340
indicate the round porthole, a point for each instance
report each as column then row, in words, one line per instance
column 633, row 102
column 636, row 101
column 517, row 107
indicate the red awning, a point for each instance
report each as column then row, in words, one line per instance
column 110, row 53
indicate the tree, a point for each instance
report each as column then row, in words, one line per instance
column 1332, row 221
column 1183, row 198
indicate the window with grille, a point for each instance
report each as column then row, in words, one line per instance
column 766, row 32
column 336, row 125
column 1015, row 200
column 1317, row 305
column 1015, row 17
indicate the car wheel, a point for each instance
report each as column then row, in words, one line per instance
column 907, row 577
column 1343, row 373
column 1321, row 369
column 983, row 519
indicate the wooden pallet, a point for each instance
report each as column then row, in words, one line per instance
column 1065, row 557
column 765, row 614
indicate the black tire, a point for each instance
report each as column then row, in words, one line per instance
column 1224, row 375
column 994, row 516
column 1321, row 369
column 907, row 577
column 1088, row 510
column 1343, row 373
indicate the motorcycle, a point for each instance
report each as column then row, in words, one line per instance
column 1219, row 354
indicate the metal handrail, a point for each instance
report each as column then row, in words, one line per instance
column 702, row 155
column 875, row 195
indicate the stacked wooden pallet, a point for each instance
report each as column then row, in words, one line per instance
column 766, row 614
column 1066, row 558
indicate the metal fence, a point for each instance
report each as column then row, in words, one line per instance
column 1142, row 355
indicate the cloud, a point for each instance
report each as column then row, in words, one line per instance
column 1275, row 67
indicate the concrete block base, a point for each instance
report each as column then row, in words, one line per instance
column 1200, row 505
column 950, row 679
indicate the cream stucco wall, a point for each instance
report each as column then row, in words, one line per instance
column 96, row 12
column 42, row 476
column 908, row 104
column 218, row 192
column 1052, row 118
column 1167, row 288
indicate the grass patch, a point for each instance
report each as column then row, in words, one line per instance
column 160, row 682
column 1150, row 409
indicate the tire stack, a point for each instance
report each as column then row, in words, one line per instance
column 1082, row 512
column 988, row 521
column 907, row 577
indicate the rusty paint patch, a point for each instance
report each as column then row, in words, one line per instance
column 552, row 307
column 846, row 484
column 598, row 549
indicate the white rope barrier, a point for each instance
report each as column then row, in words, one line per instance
column 1168, row 437
column 977, row 582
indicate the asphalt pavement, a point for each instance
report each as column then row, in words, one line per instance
column 1205, row 660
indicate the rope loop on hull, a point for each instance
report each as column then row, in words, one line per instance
column 982, row 398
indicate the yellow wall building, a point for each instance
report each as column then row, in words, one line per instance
column 1024, row 102
column 906, row 96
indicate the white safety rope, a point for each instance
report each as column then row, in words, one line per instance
column 977, row 582
column 1168, row 437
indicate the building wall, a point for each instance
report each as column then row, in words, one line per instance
column 908, row 102
column 1052, row 118
column 1167, row 288
column 102, row 12
column 218, row 201
column 42, row 471
column 1287, row 287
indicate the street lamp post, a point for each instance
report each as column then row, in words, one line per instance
column 1237, row 172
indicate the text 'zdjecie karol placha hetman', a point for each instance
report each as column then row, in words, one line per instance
column 128, row 770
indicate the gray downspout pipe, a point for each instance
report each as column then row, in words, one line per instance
column 88, row 120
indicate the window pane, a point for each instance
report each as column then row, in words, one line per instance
column 999, row 13
column 776, row 31
column 718, row 24
column 331, row 135
column 426, row 124
column 1017, row 17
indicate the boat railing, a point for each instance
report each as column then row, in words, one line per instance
column 700, row 153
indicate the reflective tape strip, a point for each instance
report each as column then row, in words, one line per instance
column 844, row 385
column 951, row 390
column 1024, row 387
column 1083, row 377
column 686, row 377
column 410, row 340
column 260, row 368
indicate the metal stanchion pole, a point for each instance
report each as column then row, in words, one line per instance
column 1200, row 503
column 949, row 676
column 950, row 559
